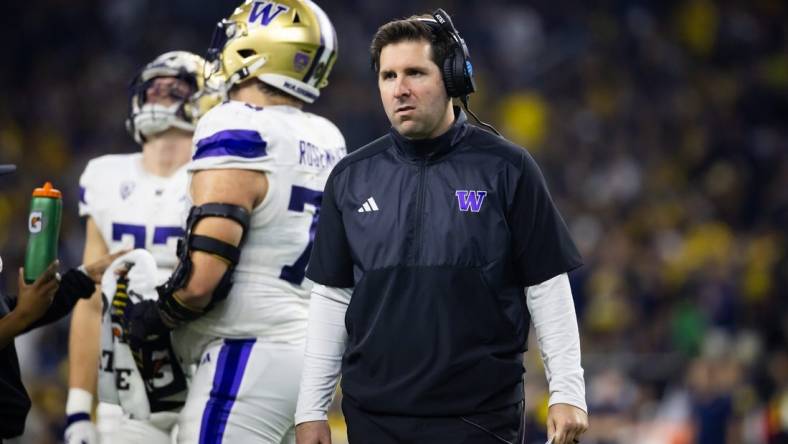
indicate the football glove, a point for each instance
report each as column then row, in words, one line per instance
column 80, row 430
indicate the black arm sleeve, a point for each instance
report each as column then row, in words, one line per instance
column 543, row 247
column 74, row 285
column 331, row 262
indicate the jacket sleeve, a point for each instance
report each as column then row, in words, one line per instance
column 542, row 246
column 331, row 263
column 74, row 285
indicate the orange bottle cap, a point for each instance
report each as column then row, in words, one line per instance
column 47, row 191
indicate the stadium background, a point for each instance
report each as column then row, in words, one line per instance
column 661, row 128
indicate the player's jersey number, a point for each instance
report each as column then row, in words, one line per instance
column 299, row 197
column 160, row 234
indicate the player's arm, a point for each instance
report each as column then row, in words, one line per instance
column 223, row 200
column 242, row 188
column 84, row 345
column 85, row 332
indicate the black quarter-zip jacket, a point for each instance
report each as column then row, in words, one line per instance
column 439, row 238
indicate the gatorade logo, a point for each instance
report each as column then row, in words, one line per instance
column 36, row 222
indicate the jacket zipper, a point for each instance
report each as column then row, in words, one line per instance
column 420, row 209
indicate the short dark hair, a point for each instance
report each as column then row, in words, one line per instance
column 413, row 28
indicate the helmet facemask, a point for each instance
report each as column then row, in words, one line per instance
column 186, row 97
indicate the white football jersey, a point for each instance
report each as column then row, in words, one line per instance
column 132, row 209
column 135, row 209
column 296, row 150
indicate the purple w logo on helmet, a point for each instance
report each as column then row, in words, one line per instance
column 262, row 10
column 470, row 200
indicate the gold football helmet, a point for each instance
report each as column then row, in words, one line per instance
column 198, row 95
column 290, row 45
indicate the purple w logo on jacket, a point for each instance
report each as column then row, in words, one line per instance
column 470, row 199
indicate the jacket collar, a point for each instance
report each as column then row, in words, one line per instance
column 433, row 149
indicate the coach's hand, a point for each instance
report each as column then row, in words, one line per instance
column 565, row 423
column 313, row 432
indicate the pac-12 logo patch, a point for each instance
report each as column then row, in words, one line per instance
column 126, row 188
column 470, row 200
column 36, row 222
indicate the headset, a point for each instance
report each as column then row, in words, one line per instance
column 457, row 69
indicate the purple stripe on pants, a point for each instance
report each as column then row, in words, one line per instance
column 230, row 367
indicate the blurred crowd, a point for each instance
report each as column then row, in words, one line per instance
column 661, row 129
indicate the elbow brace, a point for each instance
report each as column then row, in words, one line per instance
column 147, row 321
column 172, row 311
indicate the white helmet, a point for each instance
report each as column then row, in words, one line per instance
column 149, row 119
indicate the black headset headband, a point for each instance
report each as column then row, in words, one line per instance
column 446, row 25
column 457, row 69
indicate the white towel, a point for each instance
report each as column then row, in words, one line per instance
column 141, row 276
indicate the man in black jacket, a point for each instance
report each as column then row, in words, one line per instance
column 434, row 244
column 44, row 301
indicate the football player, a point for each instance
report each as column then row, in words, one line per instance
column 259, row 165
column 135, row 200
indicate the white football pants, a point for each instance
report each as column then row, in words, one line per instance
column 243, row 391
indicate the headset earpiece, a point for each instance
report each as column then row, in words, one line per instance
column 457, row 69
column 449, row 73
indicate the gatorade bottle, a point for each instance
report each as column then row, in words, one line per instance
column 44, row 226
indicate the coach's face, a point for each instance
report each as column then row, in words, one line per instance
column 412, row 91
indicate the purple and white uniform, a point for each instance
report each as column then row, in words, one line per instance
column 132, row 209
column 135, row 209
column 249, row 347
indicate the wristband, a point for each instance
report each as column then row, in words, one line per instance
column 79, row 401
